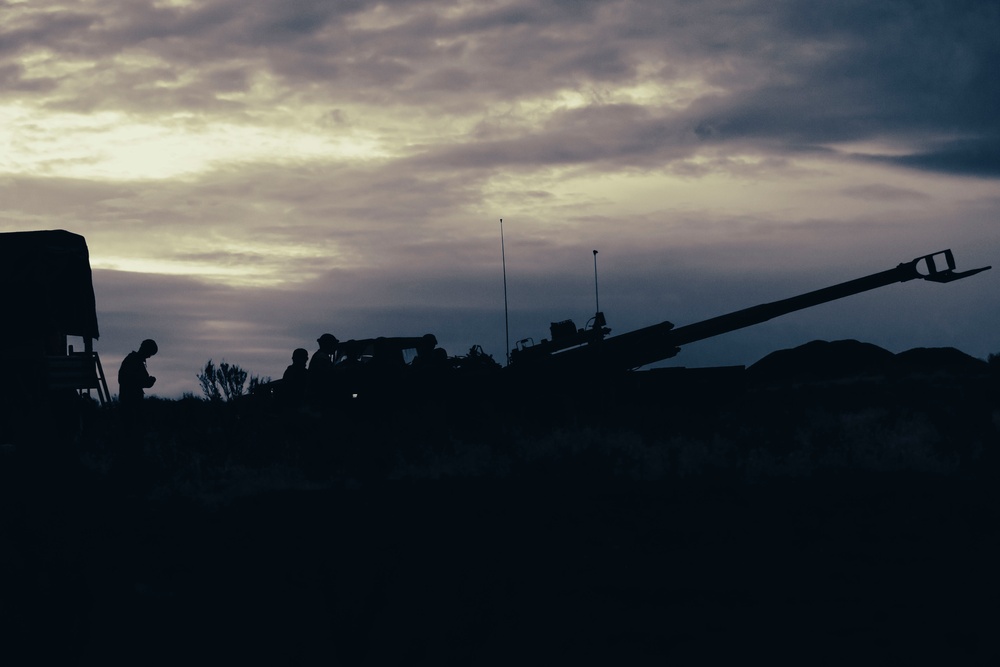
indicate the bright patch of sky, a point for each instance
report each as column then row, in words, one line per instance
column 116, row 146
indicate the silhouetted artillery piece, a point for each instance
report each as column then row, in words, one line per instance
column 576, row 364
column 590, row 349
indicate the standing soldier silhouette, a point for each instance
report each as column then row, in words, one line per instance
column 321, row 369
column 323, row 359
column 295, row 381
column 133, row 378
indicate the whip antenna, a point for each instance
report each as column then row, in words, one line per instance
column 597, row 297
column 506, row 316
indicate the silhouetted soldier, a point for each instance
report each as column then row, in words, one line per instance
column 321, row 368
column 323, row 358
column 133, row 379
column 429, row 355
column 431, row 365
column 295, row 381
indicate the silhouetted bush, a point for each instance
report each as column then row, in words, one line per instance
column 226, row 381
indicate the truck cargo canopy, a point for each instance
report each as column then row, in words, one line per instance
column 47, row 285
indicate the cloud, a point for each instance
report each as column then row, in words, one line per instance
column 979, row 157
column 881, row 192
column 874, row 71
column 778, row 76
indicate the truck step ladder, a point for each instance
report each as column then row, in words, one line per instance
column 81, row 371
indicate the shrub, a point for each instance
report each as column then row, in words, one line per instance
column 226, row 381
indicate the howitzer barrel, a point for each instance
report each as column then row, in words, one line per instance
column 662, row 341
column 757, row 314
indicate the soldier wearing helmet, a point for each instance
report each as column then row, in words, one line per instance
column 133, row 377
column 323, row 358
column 295, row 381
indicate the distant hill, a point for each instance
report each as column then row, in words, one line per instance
column 931, row 360
column 821, row 360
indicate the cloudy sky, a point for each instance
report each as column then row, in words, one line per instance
column 252, row 173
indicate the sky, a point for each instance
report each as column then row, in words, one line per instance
column 250, row 174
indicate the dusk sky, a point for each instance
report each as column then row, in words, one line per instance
column 250, row 174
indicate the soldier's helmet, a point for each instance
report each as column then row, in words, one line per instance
column 327, row 341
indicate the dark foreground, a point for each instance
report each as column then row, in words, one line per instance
column 850, row 569
column 862, row 530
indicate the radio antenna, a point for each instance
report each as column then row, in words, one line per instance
column 597, row 297
column 506, row 316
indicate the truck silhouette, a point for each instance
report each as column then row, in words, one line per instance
column 48, row 297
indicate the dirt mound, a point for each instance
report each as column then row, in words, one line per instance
column 933, row 360
column 823, row 360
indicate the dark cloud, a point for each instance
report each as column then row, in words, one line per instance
column 618, row 134
column 14, row 82
column 877, row 70
column 55, row 30
column 786, row 74
column 980, row 157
